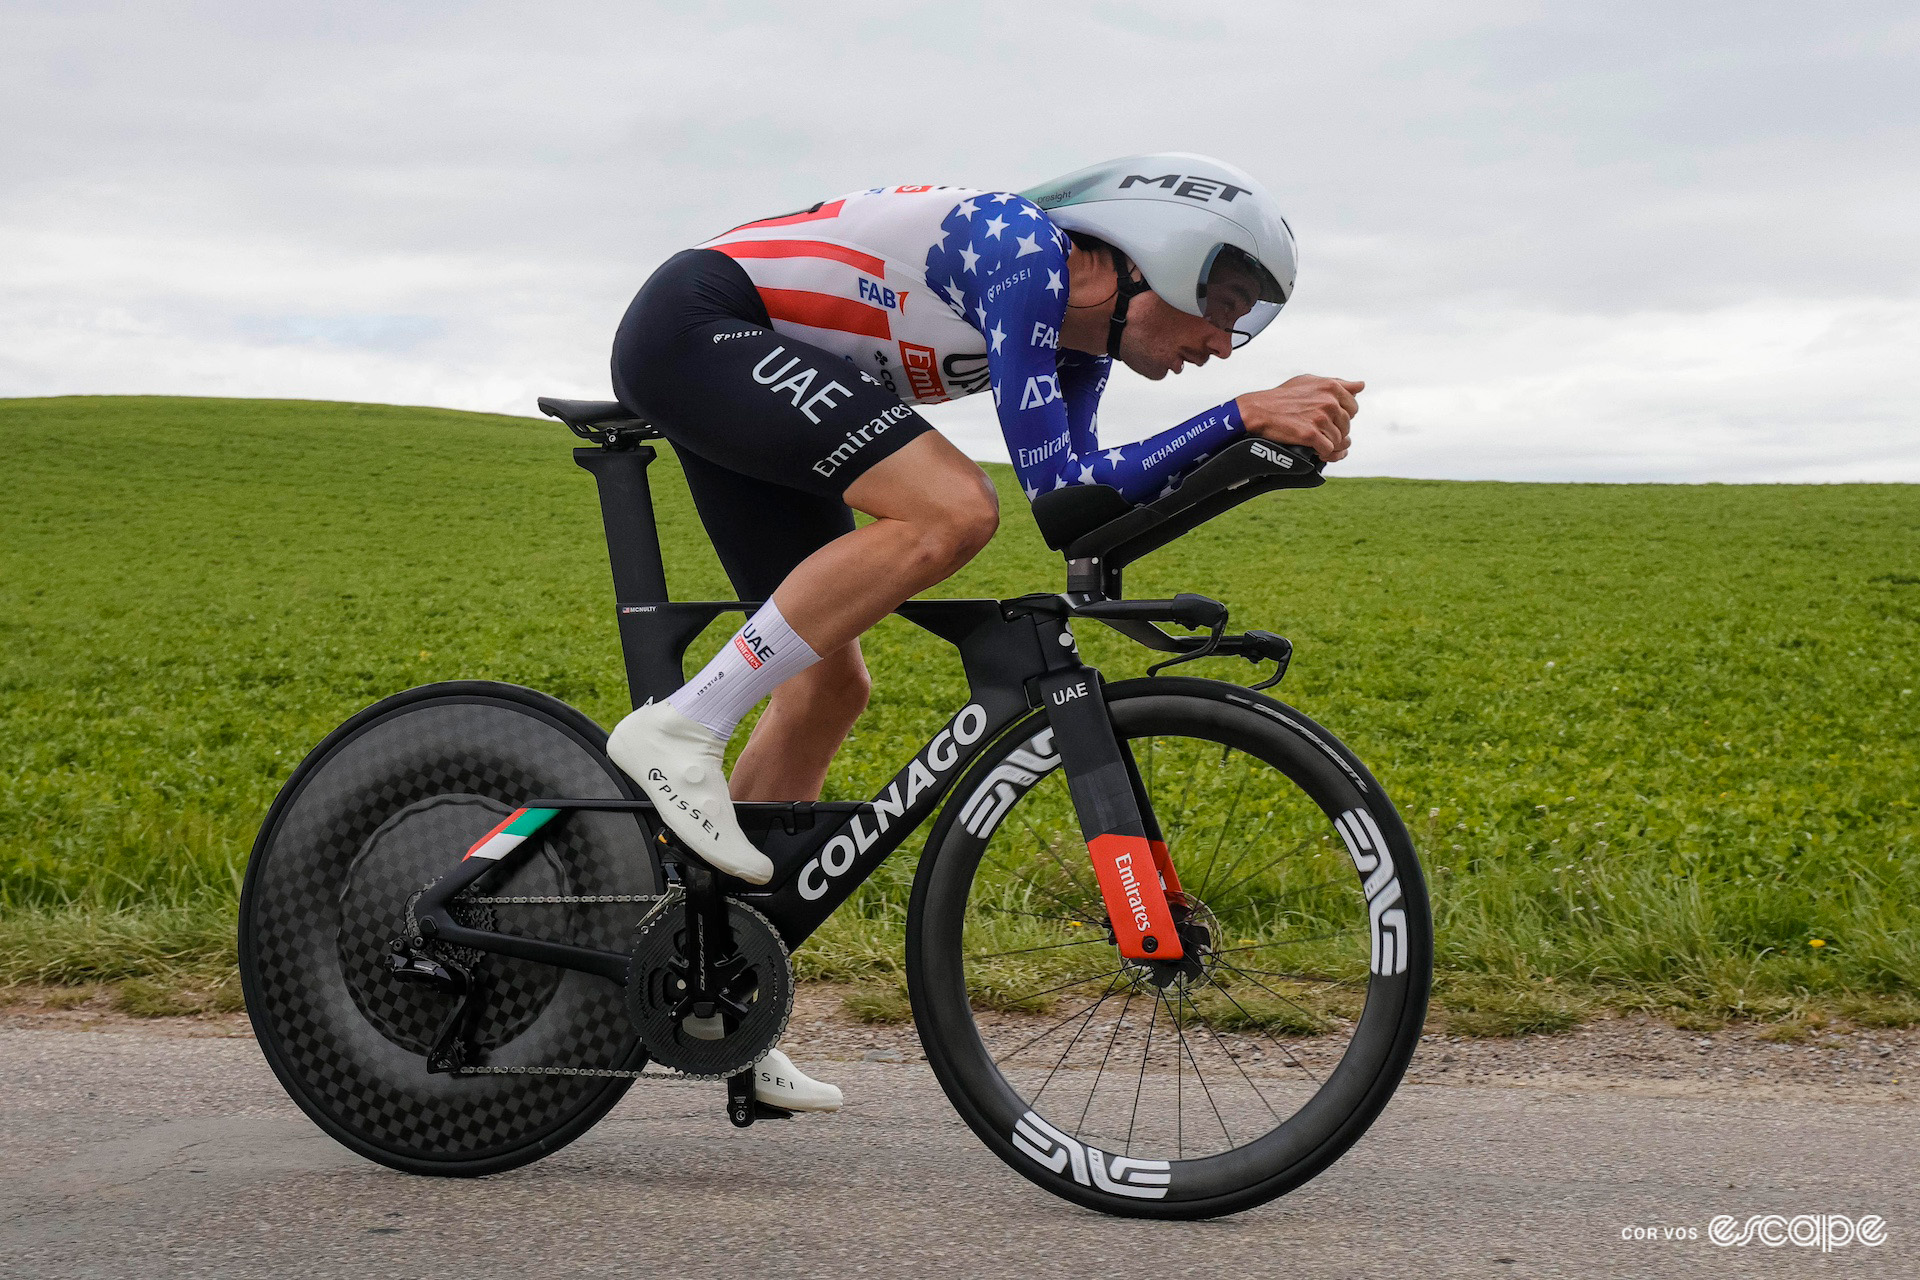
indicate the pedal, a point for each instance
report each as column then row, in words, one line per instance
column 743, row 1108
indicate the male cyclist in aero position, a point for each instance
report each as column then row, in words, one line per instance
column 781, row 358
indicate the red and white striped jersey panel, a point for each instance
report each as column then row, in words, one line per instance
column 849, row 276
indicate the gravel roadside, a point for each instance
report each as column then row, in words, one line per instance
column 1632, row 1054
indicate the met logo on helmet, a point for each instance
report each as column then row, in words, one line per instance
column 1193, row 188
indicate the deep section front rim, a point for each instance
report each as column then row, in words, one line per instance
column 1157, row 1093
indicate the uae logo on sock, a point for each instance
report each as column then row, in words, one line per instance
column 755, row 650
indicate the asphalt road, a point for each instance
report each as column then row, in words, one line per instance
column 134, row 1155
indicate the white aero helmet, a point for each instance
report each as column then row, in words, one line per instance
column 1207, row 236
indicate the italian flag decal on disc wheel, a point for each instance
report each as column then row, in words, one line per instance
column 506, row 837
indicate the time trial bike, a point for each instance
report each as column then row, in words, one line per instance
column 1168, row 946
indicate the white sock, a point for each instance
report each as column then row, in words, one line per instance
column 760, row 658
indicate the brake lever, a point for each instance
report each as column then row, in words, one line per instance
column 1267, row 647
column 1205, row 649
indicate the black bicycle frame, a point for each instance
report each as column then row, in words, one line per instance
column 1017, row 655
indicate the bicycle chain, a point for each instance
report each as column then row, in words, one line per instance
column 661, row 902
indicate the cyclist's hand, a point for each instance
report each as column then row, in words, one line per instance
column 1310, row 410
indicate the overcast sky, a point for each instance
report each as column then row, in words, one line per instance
column 1660, row 241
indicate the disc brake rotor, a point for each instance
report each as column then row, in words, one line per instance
column 754, row 1001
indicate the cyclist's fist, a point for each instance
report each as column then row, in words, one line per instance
column 1310, row 410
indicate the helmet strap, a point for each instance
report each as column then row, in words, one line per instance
column 1126, row 288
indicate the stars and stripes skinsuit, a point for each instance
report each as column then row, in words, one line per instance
column 783, row 357
column 941, row 292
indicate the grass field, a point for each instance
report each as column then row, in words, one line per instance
column 1657, row 743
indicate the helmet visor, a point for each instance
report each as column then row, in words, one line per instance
column 1238, row 295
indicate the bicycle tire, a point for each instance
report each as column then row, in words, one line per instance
column 954, row 993
column 385, row 802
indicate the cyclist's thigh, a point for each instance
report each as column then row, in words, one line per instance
column 696, row 354
column 760, row 530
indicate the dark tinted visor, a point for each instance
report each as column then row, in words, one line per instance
column 1239, row 295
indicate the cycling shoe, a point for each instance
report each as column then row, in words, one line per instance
column 679, row 765
column 778, row 1083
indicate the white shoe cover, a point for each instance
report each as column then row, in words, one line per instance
column 680, row 765
column 778, row 1083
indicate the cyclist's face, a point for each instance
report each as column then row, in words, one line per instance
column 1162, row 339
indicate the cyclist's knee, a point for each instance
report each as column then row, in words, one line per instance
column 957, row 524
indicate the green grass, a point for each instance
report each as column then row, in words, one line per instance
column 1652, row 740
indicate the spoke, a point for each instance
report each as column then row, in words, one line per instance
column 1179, row 1093
column 1058, row 861
column 1226, row 893
column 1243, row 1072
column 1037, row 915
column 1246, row 775
column 1253, row 844
column 1263, row 1031
column 1315, row 978
column 1305, row 888
column 1278, row 995
column 1077, row 982
column 1201, row 1079
column 1037, row 1039
column 1095, row 1087
column 1078, row 911
column 1186, row 794
column 1152, row 1021
column 1084, row 1024
column 1051, row 946
column 1285, row 942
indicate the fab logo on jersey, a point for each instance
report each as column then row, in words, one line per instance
column 881, row 296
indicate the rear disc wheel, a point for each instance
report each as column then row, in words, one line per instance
column 383, row 805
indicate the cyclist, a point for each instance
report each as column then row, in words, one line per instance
column 782, row 359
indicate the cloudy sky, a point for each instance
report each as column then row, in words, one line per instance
column 1632, row 241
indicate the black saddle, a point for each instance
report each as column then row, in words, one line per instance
column 597, row 419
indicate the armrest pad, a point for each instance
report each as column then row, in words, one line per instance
column 1094, row 520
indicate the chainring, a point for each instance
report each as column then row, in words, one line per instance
column 759, row 984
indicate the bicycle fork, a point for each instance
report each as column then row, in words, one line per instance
column 1123, row 838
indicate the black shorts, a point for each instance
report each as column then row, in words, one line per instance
column 770, row 431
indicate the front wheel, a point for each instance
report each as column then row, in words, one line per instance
column 1205, row 1086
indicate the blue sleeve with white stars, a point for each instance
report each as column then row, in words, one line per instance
column 1003, row 265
